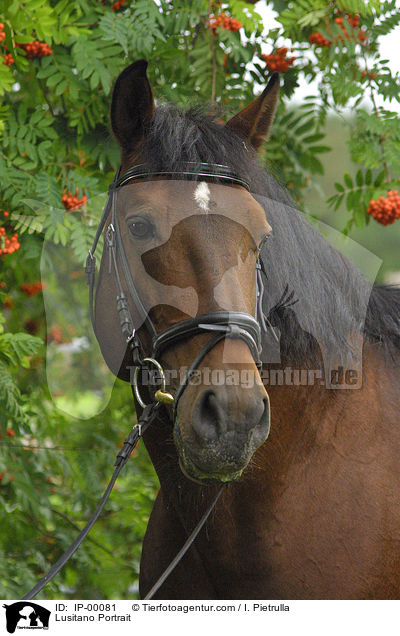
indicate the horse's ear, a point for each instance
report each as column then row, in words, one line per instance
column 132, row 106
column 254, row 121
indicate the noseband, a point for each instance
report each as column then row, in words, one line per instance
column 221, row 324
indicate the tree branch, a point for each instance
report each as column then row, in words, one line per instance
column 214, row 62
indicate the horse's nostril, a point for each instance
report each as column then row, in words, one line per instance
column 213, row 419
column 209, row 417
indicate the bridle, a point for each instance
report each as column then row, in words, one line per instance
column 221, row 324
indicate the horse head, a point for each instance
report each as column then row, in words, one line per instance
column 191, row 246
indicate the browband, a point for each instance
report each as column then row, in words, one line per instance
column 190, row 170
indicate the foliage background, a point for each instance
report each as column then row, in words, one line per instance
column 55, row 140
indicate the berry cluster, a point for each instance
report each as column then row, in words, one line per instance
column 31, row 289
column 8, row 59
column 8, row 244
column 224, row 21
column 353, row 20
column 35, row 49
column 117, row 5
column 340, row 38
column 71, row 202
column 278, row 61
column 386, row 209
column 319, row 39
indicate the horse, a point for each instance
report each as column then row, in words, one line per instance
column 310, row 501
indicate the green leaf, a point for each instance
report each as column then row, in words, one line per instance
column 305, row 127
column 359, row 217
column 15, row 347
column 359, row 178
column 348, row 180
column 319, row 149
column 379, row 179
column 338, row 202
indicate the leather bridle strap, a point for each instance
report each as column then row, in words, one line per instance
column 137, row 303
column 90, row 266
column 234, row 324
column 184, row 548
column 195, row 364
column 190, row 170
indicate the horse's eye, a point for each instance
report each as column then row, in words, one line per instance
column 140, row 227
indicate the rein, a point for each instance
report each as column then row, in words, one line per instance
column 220, row 324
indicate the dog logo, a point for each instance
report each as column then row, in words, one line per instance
column 26, row 615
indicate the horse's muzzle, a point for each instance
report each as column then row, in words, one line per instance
column 225, row 430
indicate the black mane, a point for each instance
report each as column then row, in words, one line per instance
column 335, row 302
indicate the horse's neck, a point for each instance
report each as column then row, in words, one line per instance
column 323, row 455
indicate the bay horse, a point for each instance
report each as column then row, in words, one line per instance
column 311, row 509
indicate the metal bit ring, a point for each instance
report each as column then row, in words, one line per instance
column 135, row 379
